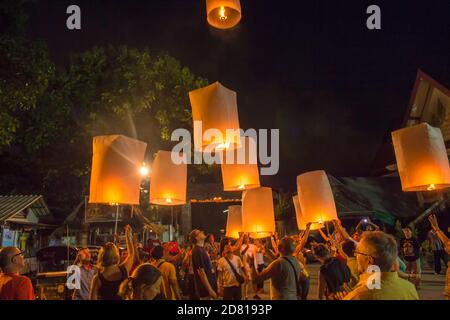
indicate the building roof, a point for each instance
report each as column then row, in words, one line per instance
column 428, row 102
column 17, row 208
column 361, row 195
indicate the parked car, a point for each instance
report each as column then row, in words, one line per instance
column 51, row 277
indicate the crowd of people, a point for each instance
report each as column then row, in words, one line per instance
column 369, row 265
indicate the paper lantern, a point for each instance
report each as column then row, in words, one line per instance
column 422, row 159
column 223, row 14
column 301, row 224
column 242, row 172
column 258, row 217
column 215, row 107
column 315, row 197
column 234, row 222
column 115, row 176
column 168, row 180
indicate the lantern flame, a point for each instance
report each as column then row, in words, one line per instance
column 168, row 200
column 431, row 187
column 222, row 15
column 144, row 170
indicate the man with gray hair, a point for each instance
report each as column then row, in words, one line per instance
column 379, row 251
column 12, row 285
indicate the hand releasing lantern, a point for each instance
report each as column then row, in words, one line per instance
column 234, row 222
column 115, row 177
column 422, row 158
column 300, row 219
column 223, row 14
column 214, row 108
column 168, row 181
column 315, row 197
column 258, row 217
column 243, row 173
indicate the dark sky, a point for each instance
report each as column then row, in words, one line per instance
column 310, row 68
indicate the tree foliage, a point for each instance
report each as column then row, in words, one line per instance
column 53, row 115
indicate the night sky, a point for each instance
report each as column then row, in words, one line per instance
column 310, row 68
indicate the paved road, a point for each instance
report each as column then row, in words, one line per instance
column 432, row 285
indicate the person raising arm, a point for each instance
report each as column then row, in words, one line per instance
column 446, row 242
column 105, row 284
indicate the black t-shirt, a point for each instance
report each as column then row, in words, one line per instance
column 335, row 273
column 410, row 249
column 201, row 260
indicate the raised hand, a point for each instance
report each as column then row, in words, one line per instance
column 433, row 221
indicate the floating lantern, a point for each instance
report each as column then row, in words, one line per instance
column 215, row 107
column 300, row 220
column 223, row 14
column 422, row 158
column 115, row 177
column 234, row 222
column 241, row 173
column 315, row 197
column 258, row 217
column 168, row 180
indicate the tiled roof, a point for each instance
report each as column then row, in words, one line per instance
column 16, row 205
column 360, row 194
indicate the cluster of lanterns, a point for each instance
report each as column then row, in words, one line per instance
column 118, row 161
column 118, row 166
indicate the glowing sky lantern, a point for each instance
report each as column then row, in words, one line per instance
column 300, row 220
column 315, row 197
column 242, row 172
column 215, row 107
column 234, row 222
column 168, row 180
column 115, row 176
column 258, row 216
column 422, row 158
column 223, row 14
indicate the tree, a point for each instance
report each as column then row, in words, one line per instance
column 25, row 70
column 114, row 90
column 284, row 208
column 49, row 115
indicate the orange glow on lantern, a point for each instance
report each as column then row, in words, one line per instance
column 223, row 14
column 168, row 181
column 422, row 158
column 315, row 197
column 300, row 220
column 215, row 107
column 258, row 217
column 241, row 176
column 234, row 222
column 115, row 174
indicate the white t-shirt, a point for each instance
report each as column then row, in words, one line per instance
column 228, row 277
column 259, row 258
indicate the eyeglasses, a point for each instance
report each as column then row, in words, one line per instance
column 16, row 255
column 363, row 254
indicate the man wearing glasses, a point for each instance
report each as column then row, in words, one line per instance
column 13, row 286
column 380, row 249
